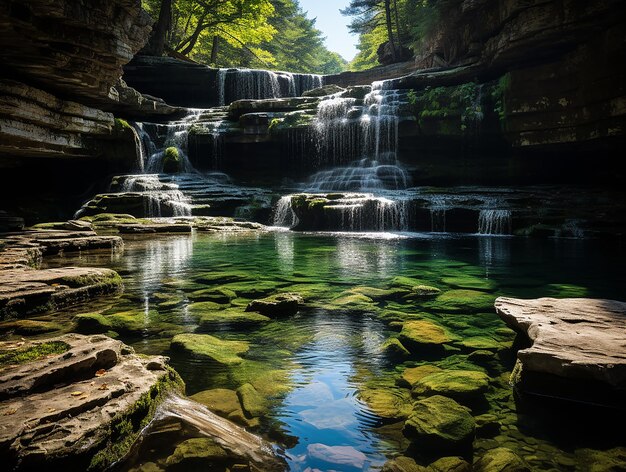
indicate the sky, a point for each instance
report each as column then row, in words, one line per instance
column 333, row 24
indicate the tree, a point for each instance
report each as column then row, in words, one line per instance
column 370, row 14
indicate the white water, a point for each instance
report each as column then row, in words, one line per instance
column 238, row 84
column 494, row 222
column 283, row 213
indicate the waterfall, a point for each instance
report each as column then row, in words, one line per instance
column 438, row 214
column 359, row 138
column 374, row 214
column 284, row 214
column 238, row 84
column 177, row 134
column 494, row 222
column 157, row 195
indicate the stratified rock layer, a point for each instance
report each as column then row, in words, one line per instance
column 579, row 339
column 83, row 407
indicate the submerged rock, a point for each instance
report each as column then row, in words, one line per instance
column 209, row 347
column 196, row 452
column 419, row 335
column 402, row 464
column 461, row 385
column 439, row 423
column 282, row 304
column 93, row 389
column 230, row 317
column 500, row 459
column 461, row 301
column 412, row 375
column 450, row 464
column 252, row 402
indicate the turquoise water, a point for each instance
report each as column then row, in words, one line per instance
column 317, row 370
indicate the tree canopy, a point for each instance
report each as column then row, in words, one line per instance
column 271, row 34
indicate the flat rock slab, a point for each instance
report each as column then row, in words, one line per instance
column 24, row 291
column 63, row 406
column 574, row 338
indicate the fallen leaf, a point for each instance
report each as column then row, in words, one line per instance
column 77, row 393
column 101, row 372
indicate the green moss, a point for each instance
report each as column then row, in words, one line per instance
column 213, row 320
column 470, row 282
column 172, row 160
column 423, row 334
column 32, row 353
column 388, row 403
column 500, row 459
column 394, row 349
column 209, row 347
column 120, row 126
column 196, row 453
column 460, row 385
column 30, row 327
column 412, row 375
column 125, row 428
column 91, row 323
column 461, row 301
column 253, row 404
column 219, row 295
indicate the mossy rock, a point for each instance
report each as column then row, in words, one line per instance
column 412, row 375
column 269, row 381
column 404, row 282
column 220, row 278
column 172, row 160
column 281, row 304
column 394, row 349
column 351, row 302
column 388, row 403
column 461, row 301
column 194, row 453
column 441, row 424
column 487, row 425
column 230, row 317
column 402, row 464
column 252, row 402
column 209, row 347
column 422, row 291
column 30, row 327
column 500, row 459
column 260, row 288
column 219, row 295
column 460, row 385
column 420, row 335
column 92, row 323
column 450, row 464
column 379, row 294
column 39, row 350
column 485, row 343
column 219, row 400
column 566, row 291
column 470, row 283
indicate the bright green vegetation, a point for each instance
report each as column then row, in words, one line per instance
column 171, row 160
column 268, row 34
column 210, row 347
column 31, row 353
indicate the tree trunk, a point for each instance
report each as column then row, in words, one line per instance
column 215, row 49
column 398, row 32
column 388, row 20
column 156, row 46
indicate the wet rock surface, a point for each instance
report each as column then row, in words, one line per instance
column 65, row 407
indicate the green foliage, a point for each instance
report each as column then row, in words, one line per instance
column 271, row 34
column 32, row 353
column 498, row 97
column 171, row 160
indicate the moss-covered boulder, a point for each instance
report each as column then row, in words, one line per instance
column 450, row 464
column 194, row 453
column 462, row 385
column 500, row 459
column 394, row 349
column 423, row 335
column 439, row 423
column 412, row 375
column 235, row 318
column 388, row 403
column 92, row 323
column 172, row 160
column 211, row 348
column 252, row 402
column 402, row 464
column 469, row 282
column 462, row 301
column 221, row 401
column 221, row 295
column 282, row 304
column 30, row 327
column 380, row 294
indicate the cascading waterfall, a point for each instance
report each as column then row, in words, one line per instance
column 238, row 84
column 494, row 222
column 438, row 214
column 361, row 140
column 159, row 197
column 283, row 213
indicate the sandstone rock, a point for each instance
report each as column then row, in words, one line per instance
column 440, row 423
column 87, row 392
column 500, row 459
column 30, row 291
column 282, row 304
column 573, row 338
